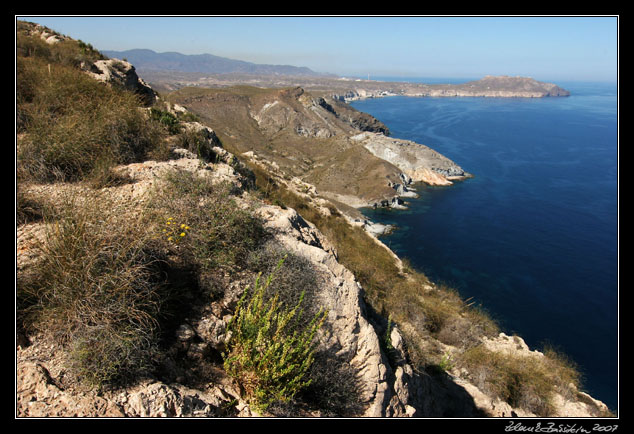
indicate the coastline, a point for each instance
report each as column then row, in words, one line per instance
column 559, row 167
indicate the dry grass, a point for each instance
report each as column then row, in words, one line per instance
column 95, row 288
column 526, row 382
column 74, row 125
column 220, row 234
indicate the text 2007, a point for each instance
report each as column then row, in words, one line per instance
column 606, row 428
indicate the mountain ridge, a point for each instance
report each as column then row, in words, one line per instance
column 146, row 59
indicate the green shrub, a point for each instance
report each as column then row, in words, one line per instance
column 188, row 117
column 167, row 119
column 196, row 142
column 269, row 363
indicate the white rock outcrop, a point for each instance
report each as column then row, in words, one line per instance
column 418, row 162
column 122, row 73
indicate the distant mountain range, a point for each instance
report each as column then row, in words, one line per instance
column 144, row 59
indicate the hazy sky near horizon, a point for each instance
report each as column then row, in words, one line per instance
column 542, row 47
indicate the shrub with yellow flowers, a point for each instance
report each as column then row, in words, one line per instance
column 173, row 231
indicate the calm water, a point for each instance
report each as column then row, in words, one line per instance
column 533, row 237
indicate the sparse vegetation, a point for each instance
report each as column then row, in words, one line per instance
column 96, row 289
column 222, row 234
column 526, row 382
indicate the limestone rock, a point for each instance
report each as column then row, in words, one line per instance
column 161, row 400
column 39, row 396
column 122, row 73
column 418, row 162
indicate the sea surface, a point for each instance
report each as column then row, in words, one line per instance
column 533, row 236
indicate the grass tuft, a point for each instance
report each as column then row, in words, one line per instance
column 95, row 289
column 526, row 382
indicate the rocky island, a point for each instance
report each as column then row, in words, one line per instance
column 251, row 177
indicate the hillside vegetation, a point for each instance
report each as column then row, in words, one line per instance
column 303, row 138
column 154, row 255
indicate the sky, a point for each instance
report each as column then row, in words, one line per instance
column 548, row 48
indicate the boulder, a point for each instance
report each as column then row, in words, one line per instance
column 122, row 73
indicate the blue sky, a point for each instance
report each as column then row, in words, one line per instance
column 542, row 47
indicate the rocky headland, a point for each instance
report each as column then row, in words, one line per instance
column 346, row 155
column 488, row 87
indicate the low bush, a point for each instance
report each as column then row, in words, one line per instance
column 165, row 118
column 197, row 143
column 268, row 355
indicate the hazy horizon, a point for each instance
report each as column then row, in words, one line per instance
column 574, row 48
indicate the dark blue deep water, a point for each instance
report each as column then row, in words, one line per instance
column 533, row 236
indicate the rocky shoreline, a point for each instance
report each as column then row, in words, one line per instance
column 488, row 87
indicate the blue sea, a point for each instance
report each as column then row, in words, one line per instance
column 533, row 236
